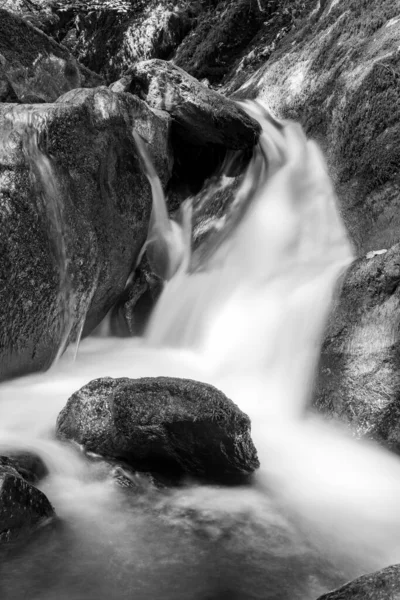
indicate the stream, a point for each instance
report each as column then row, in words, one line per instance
column 322, row 509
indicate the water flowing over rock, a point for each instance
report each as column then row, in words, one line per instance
column 359, row 373
column 337, row 73
column 75, row 208
column 205, row 125
column 382, row 585
column 162, row 422
column 22, row 506
column 33, row 67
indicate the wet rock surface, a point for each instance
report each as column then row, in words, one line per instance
column 22, row 506
column 75, row 208
column 29, row 466
column 382, row 585
column 359, row 376
column 161, row 423
column 33, row 67
column 336, row 71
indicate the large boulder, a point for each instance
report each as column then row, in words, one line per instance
column 206, row 126
column 33, row 67
column 358, row 379
column 337, row 73
column 382, row 585
column 74, row 213
column 22, row 506
column 160, row 424
column 200, row 115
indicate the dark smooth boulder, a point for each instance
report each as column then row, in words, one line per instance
column 161, row 423
column 382, row 585
column 22, row 506
column 33, row 67
column 358, row 378
column 74, row 214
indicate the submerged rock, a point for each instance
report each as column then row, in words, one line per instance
column 359, row 372
column 22, row 506
column 33, row 67
column 74, row 213
column 161, row 424
column 382, row 585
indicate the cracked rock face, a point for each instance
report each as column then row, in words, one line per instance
column 161, row 424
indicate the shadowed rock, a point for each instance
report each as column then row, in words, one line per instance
column 382, row 585
column 74, row 213
column 161, row 424
column 33, row 67
column 29, row 466
column 200, row 115
column 22, row 506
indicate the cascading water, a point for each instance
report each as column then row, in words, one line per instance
column 247, row 318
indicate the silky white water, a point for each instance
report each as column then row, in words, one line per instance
column 249, row 320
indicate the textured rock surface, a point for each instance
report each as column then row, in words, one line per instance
column 382, row 585
column 134, row 31
column 33, row 67
column 74, row 213
column 161, row 423
column 200, row 115
column 359, row 373
column 337, row 72
column 22, row 506
column 29, row 466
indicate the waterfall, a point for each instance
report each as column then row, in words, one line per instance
column 248, row 317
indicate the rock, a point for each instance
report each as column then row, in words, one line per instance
column 33, row 67
column 220, row 36
column 22, row 506
column 162, row 423
column 200, row 115
column 29, row 466
column 37, row 12
column 337, row 71
column 359, row 372
column 205, row 125
column 382, row 585
column 133, row 30
column 132, row 310
column 74, row 214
